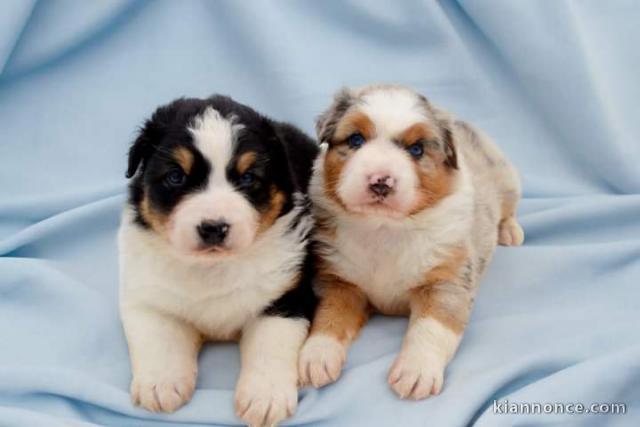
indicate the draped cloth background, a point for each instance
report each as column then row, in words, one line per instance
column 554, row 82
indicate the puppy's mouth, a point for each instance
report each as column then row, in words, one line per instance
column 216, row 250
column 376, row 206
column 211, row 252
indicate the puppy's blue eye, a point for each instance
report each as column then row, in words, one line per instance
column 355, row 141
column 175, row 178
column 247, row 179
column 416, row 150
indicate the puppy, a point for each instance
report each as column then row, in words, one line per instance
column 409, row 206
column 213, row 246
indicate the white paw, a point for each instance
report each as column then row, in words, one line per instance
column 162, row 393
column 416, row 376
column 321, row 360
column 510, row 233
column 265, row 399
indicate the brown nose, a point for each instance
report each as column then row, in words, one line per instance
column 381, row 186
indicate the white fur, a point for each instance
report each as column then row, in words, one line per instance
column 419, row 368
column 267, row 389
column 215, row 203
column 392, row 111
column 175, row 295
column 321, row 360
column 168, row 302
column 386, row 257
column 215, row 138
column 378, row 157
column 163, row 353
column 219, row 296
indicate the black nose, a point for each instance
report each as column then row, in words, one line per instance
column 213, row 232
column 380, row 188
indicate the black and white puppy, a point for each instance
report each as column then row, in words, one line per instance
column 214, row 246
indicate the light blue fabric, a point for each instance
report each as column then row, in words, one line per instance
column 554, row 82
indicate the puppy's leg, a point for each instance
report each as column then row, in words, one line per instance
column 510, row 233
column 502, row 173
column 341, row 313
column 439, row 312
column 267, row 390
column 163, row 352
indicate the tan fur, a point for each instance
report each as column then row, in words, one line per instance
column 436, row 182
column 245, row 161
column 334, row 163
column 415, row 133
column 353, row 122
column 342, row 310
column 439, row 296
column 449, row 269
column 426, row 264
column 269, row 216
column 435, row 178
column 156, row 220
column 184, row 158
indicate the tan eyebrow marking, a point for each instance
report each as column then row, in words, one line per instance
column 415, row 133
column 184, row 157
column 245, row 161
column 355, row 122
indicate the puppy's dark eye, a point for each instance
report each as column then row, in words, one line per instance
column 355, row 141
column 246, row 179
column 416, row 150
column 175, row 178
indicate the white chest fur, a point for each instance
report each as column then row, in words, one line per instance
column 386, row 258
column 217, row 298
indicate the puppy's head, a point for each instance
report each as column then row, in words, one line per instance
column 209, row 176
column 388, row 153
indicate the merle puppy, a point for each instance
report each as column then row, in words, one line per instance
column 410, row 204
column 214, row 246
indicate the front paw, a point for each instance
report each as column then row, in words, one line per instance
column 158, row 393
column 265, row 399
column 416, row 376
column 321, row 360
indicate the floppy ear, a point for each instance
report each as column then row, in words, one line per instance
column 150, row 136
column 141, row 149
column 445, row 122
column 451, row 158
column 296, row 151
column 327, row 121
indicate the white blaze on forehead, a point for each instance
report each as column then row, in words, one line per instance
column 392, row 110
column 214, row 136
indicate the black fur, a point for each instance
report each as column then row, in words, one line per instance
column 286, row 154
column 301, row 300
column 451, row 157
column 284, row 159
